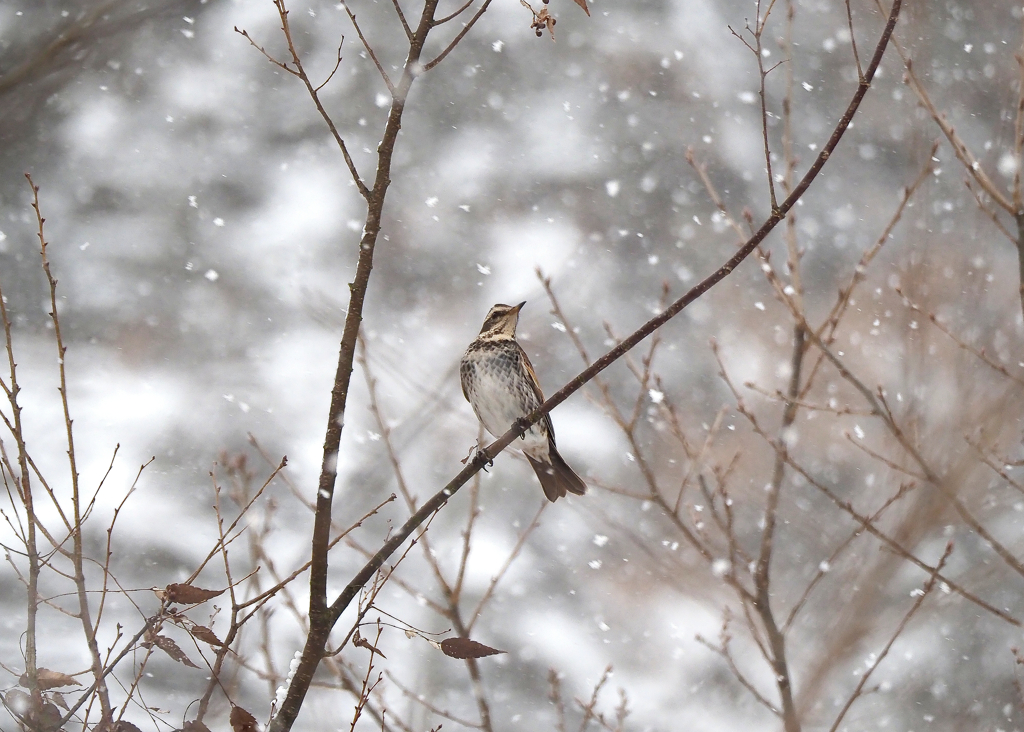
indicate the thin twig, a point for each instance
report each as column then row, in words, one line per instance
column 862, row 520
column 401, row 17
column 456, row 14
column 455, row 41
column 979, row 354
column 853, row 40
column 921, row 595
column 369, row 50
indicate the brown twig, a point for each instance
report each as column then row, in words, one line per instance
column 980, row 355
column 853, row 40
column 455, row 41
column 452, row 16
column 864, row 521
column 22, row 480
column 1014, row 204
column 588, row 707
column 825, row 567
column 369, row 50
column 921, row 595
column 401, row 18
column 84, row 610
column 723, row 650
column 504, row 567
column 419, row 699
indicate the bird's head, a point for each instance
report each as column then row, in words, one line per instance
column 502, row 320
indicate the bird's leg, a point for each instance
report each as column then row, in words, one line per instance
column 478, row 455
column 482, row 460
column 521, row 425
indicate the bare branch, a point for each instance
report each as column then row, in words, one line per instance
column 369, row 50
column 921, row 595
column 455, row 41
column 456, row 14
column 401, row 17
column 853, row 40
column 979, row 354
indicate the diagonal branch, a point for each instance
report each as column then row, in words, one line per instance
column 323, row 617
column 369, row 49
column 401, row 17
column 462, row 34
column 456, row 14
column 489, row 452
column 921, row 595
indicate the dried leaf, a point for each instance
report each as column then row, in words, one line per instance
column 200, row 632
column 542, row 20
column 194, row 726
column 189, row 595
column 57, row 698
column 123, row 725
column 583, row 4
column 48, row 679
column 49, row 717
column 466, row 648
column 18, row 701
column 242, row 721
column 359, row 642
column 171, row 648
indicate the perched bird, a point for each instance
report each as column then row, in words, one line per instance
column 499, row 381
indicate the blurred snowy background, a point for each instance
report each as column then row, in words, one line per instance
column 204, row 229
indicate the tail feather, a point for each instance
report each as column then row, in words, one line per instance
column 556, row 477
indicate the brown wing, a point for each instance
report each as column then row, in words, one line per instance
column 465, row 374
column 535, row 383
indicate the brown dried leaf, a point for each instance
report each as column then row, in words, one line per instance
column 57, row 698
column 18, row 701
column 49, row 717
column 359, row 642
column 583, row 4
column 242, row 721
column 194, row 726
column 466, row 648
column 171, row 648
column 48, row 679
column 542, row 20
column 189, row 595
column 201, row 632
column 123, row 725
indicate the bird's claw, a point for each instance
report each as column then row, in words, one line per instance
column 521, row 425
column 482, row 460
column 479, row 457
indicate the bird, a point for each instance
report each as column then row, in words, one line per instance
column 499, row 382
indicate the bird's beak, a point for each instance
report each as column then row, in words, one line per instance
column 520, row 306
